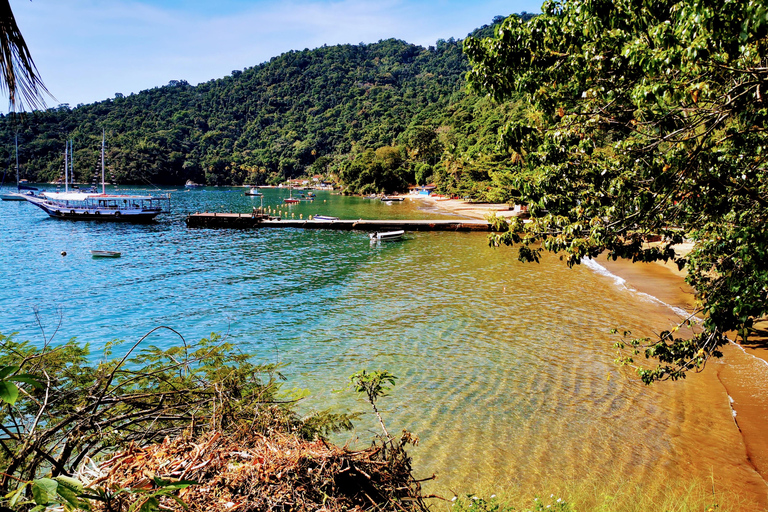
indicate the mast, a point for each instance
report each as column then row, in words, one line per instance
column 66, row 173
column 17, row 163
column 103, row 188
column 72, row 160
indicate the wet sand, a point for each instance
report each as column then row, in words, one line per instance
column 740, row 376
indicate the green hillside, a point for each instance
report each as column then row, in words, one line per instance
column 327, row 111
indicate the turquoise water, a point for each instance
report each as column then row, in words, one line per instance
column 505, row 370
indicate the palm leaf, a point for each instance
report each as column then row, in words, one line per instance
column 19, row 77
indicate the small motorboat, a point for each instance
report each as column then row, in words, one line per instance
column 291, row 200
column 386, row 236
column 392, row 198
column 324, row 217
column 105, row 254
column 253, row 192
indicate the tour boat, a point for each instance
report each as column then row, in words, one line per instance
column 81, row 205
column 386, row 235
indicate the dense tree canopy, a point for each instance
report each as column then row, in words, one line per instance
column 322, row 111
column 265, row 123
column 646, row 118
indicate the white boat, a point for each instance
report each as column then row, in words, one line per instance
column 324, row 217
column 254, row 191
column 385, row 236
column 392, row 198
column 80, row 205
column 192, row 184
column 290, row 199
column 105, row 254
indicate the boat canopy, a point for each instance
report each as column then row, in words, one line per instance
column 84, row 196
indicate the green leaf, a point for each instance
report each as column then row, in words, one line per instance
column 16, row 495
column 69, row 496
column 7, row 370
column 70, row 489
column 70, row 483
column 44, row 490
column 151, row 504
column 27, row 379
column 9, row 393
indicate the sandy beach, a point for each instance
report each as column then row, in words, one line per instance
column 741, row 374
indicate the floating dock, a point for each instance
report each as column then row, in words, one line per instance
column 250, row 221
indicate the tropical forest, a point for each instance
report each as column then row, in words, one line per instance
column 603, row 133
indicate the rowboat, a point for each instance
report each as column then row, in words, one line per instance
column 386, row 236
column 105, row 254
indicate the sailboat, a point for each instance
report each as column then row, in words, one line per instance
column 18, row 195
column 79, row 205
column 290, row 199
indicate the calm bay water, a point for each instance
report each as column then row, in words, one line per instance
column 505, row 369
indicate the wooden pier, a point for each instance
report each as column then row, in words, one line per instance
column 250, row 221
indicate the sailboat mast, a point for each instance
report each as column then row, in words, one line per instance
column 17, row 163
column 72, row 160
column 66, row 167
column 103, row 188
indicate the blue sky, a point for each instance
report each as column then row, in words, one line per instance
column 88, row 50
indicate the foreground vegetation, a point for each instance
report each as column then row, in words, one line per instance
column 197, row 423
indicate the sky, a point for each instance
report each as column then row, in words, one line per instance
column 89, row 50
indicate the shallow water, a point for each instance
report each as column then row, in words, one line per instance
column 505, row 370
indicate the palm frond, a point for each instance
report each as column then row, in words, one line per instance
column 19, row 77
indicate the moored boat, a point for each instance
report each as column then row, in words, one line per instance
column 386, row 236
column 392, row 198
column 105, row 254
column 105, row 207
column 290, row 199
column 22, row 188
column 324, row 217
column 81, row 205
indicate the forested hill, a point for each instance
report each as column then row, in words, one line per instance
column 304, row 112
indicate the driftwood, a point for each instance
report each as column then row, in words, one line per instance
column 254, row 472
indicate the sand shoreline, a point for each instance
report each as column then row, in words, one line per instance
column 736, row 371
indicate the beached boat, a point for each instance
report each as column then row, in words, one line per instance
column 81, row 205
column 105, row 254
column 253, row 191
column 324, row 217
column 386, row 236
